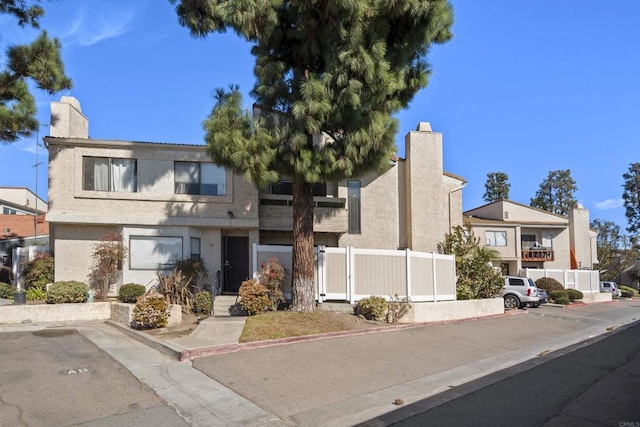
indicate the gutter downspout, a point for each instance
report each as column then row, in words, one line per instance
column 464, row 184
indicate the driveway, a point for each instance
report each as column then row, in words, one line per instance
column 56, row 377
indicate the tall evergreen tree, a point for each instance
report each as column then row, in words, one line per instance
column 556, row 193
column 610, row 248
column 631, row 197
column 329, row 75
column 497, row 187
column 39, row 62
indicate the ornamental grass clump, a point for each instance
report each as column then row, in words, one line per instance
column 151, row 312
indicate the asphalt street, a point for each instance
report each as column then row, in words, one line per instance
column 595, row 385
column 57, row 377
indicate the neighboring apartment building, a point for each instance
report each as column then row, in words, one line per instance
column 526, row 237
column 20, row 201
column 170, row 202
column 21, row 221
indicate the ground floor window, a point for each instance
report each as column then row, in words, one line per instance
column 154, row 252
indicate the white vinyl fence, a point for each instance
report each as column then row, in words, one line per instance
column 350, row 274
column 586, row 281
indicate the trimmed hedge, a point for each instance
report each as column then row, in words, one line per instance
column 626, row 293
column 6, row 291
column 549, row 284
column 574, row 294
column 151, row 312
column 130, row 292
column 558, row 296
column 67, row 292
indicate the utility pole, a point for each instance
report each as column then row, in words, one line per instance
column 35, row 216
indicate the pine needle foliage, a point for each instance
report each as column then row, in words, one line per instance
column 330, row 75
column 39, row 62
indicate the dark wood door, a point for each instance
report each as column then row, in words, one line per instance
column 235, row 263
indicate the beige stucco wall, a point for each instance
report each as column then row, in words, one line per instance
column 427, row 192
column 73, row 247
column 155, row 202
column 514, row 212
column 582, row 239
column 379, row 221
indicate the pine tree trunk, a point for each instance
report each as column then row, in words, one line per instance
column 303, row 263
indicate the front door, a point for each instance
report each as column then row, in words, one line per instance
column 235, row 263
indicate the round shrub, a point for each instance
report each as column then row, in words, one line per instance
column 549, row 284
column 626, row 293
column 39, row 272
column 574, row 295
column 254, row 297
column 150, row 312
column 555, row 295
column 373, row 308
column 633, row 291
column 130, row 292
column 562, row 300
column 203, row 303
column 67, row 291
column 6, row 291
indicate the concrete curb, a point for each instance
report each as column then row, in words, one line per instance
column 165, row 347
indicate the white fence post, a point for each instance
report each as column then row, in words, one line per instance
column 434, row 277
column 321, row 269
column 350, row 279
column 407, row 254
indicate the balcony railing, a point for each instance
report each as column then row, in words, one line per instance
column 538, row 254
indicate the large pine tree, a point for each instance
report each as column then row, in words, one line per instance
column 39, row 62
column 330, row 75
column 496, row 187
column 556, row 193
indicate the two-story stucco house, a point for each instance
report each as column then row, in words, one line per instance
column 171, row 202
column 526, row 237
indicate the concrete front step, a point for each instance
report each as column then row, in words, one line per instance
column 226, row 306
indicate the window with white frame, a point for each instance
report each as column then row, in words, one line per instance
column 109, row 174
column 154, row 252
column 495, row 238
column 200, row 178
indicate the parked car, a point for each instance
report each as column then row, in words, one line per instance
column 520, row 292
column 610, row 287
column 543, row 298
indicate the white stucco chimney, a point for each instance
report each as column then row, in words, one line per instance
column 67, row 120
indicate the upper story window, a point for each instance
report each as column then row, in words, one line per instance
column 107, row 174
column 9, row 211
column 206, row 179
column 285, row 188
column 495, row 238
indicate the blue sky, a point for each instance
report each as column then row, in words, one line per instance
column 525, row 87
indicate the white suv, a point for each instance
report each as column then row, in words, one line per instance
column 610, row 287
column 519, row 292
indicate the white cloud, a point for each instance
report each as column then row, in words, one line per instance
column 99, row 23
column 609, row 204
